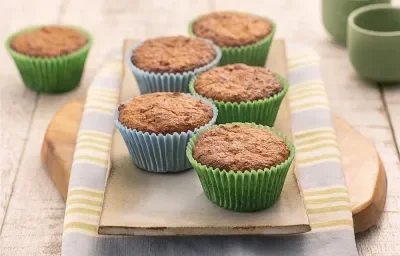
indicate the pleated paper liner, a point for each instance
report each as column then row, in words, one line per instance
column 242, row 191
column 260, row 111
column 51, row 74
column 253, row 54
column 149, row 82
column 157, row 152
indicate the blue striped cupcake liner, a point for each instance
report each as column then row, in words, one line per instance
column 157, row 152
column 149, row 82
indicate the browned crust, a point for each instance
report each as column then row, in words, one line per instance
column 237, row 83
column 175, row 54
column 240, row 148
column 165, row 113
column 232, row 28
column 48, row 41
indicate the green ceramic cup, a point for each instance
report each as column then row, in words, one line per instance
column 373, row 42
column 335, row 13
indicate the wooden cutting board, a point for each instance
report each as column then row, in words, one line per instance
column 365, row 174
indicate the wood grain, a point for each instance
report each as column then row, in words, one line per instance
column 357, row 101
column 365, row 176
column 391, row 95
column 58, row 141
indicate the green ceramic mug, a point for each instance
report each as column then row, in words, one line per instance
column 335, row 13
column 373, row 42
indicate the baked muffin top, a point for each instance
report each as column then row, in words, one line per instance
column 232, row 28
column 164, row 112
column 48, row 41
column 240, row 148
column 174, row 54
column 237, row 83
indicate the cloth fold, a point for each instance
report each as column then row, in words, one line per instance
column 320, row 177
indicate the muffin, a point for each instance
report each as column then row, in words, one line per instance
column 50, row 58
column 166, row 64
column 242, row 93
column 157, row 126
column 241, row 166
column 243, row 37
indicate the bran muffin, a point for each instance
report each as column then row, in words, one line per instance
column 156, row 128
column 174, row 54
column 50, row 58
column 165, row 113
column 242, row 93
column 241, row 166
column 167, row 64
column 230, row 29
column 49, row 41
column 243, row 37
column 240, row 148
column 237, row 83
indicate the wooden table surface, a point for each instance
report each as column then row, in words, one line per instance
column 32, row 211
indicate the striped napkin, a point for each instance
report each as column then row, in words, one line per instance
column 320, row 176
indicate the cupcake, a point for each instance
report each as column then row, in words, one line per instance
column 241, row 166
column 167, row 64
column 242, row 93
column 243, row 37
column 157, row 126
column 50, row 58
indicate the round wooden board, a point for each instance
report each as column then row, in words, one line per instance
column 365, row 174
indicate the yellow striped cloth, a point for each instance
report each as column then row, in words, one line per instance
column 319, row 173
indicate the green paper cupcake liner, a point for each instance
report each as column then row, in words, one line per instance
column 248, row 191
column 253, row 54
column 51, row 74
column 262, row 111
